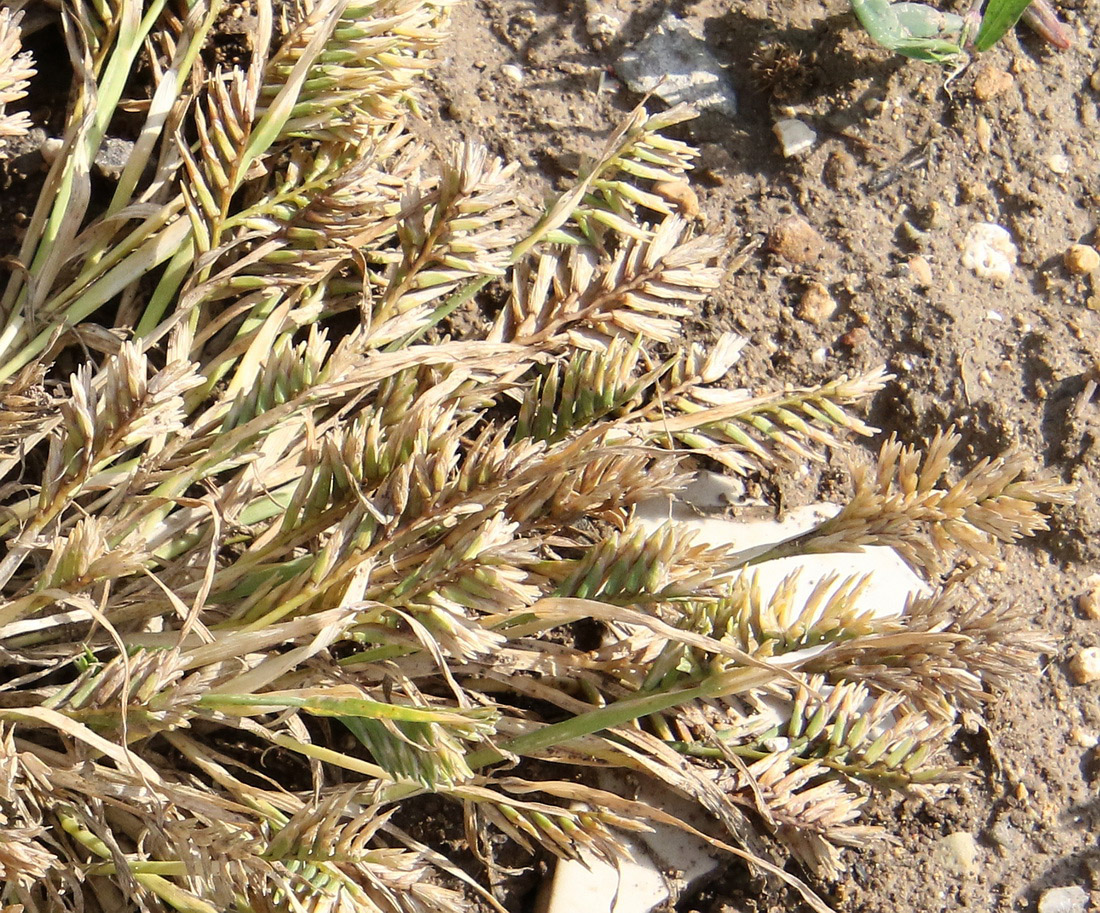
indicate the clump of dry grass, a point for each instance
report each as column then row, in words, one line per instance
column 263, row 580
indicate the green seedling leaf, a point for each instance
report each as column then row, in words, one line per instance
column 912, row 29
column 1000, row 16
column 921, row 21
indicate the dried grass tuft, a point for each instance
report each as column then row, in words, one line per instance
column 289, row 555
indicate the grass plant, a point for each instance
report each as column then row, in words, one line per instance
column 281, row 553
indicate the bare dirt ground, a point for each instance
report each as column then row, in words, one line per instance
column 901, row 170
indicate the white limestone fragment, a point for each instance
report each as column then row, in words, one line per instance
column 673, row 63
column 795, row 136
column 989, row 253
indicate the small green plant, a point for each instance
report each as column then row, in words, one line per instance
column 282, row 554
column 925, row 33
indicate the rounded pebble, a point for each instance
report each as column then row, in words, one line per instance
column 990, row 83
column 1081, row 259
column 51, row 149
column 816, row 304
column 921, row 271
column 1084, row 668
column 840, row 169
column 1089, row 601
column 1059, row 163
column 1074, row 899
column 681, row 195
column 1082, row 738
column 984, row 131
column 796, row 240
column 855, row 338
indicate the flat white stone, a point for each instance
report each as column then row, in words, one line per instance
column 673, row 63
column 664, row 863
column 631, row 887
column 1073, row 899
column 795, row 136
column 891, row 583
column 958, row 853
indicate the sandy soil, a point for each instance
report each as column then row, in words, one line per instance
column 901, row 170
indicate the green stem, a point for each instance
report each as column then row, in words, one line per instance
column 107, row 95
column 172, row 895
column 622, row 712
column 343, row 706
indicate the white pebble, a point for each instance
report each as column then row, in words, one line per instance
column 1085, row 666
column 1059, row 164
column 674, row 62
column 1082, row 738
column 995, row 315
column 602, row 27
column 958, row 852
column 794, row 136
column 1073, row 899
column 984, row 132
column 921, row 271
column 51, row 148
column 989, row 253
column 513, row 72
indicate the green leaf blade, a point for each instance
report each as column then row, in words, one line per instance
column 1000, row 16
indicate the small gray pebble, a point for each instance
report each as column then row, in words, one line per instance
column 113, row 156
column 1006, row 836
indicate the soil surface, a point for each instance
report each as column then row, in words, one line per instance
column 902, row 169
